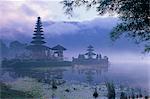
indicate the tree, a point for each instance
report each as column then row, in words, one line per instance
column 95, row 94
column 134, row 16
column 111, row 90
column 123, row 95
column 16, row 48
column 4, row 50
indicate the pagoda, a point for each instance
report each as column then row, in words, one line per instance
column 90, row 52
column 89, row 58
column 38, row 54
column 37, row 48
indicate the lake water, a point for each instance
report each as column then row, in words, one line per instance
column 131, row 75
column 126, row 74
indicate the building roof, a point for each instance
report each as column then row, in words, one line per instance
column 58, row 47
column 37, row 47
column 90, row 46
column 40, row 42
column 90, row 53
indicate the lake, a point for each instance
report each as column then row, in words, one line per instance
column 132, row 75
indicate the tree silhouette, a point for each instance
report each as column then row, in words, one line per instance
column 134, row 16
column 95, row 94
column 111, row 90
column 4, row 49
column 123, row 95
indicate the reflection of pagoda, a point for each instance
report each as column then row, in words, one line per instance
column 90, row 71
column 37, row 48
column 90, row 58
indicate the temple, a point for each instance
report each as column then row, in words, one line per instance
column 39, row 54
column 58, row 52
column 37, row 48
column 90, row 52
column 40, row 51
column 90, row 58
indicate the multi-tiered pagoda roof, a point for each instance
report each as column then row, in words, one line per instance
column 90, row 52
column 59, row 47
column 37, row 47
column 38, row 42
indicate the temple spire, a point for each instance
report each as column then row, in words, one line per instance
column 37, row 47
column 90, row 52
column 38, row 36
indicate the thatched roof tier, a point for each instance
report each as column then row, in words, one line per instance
column 90, row 46
column 91, row 53
column 37, row 37
column 37, row 47
column 59, row 47
column 38, row 42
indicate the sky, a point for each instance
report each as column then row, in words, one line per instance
column 18, row 19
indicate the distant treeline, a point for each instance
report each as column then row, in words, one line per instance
column 13, row 49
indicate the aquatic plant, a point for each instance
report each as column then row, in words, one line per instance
column 111, row 90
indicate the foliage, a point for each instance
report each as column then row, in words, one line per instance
column 30, row 85
column 8, row 93
column 123, row 95
column 95, row 94
column 3, row 49
column 111, row 90
column 134, row 16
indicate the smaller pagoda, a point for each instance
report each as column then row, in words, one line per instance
column 37, row 48
column 90, row 58
column 58, row 51
column 90, row 52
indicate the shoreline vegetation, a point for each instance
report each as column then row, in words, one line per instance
column 18, row 63
column 26, row 88
column 8, row 93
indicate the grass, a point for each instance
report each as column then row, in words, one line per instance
column 7, row 93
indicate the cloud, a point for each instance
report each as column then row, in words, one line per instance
column 69, row 27
column 28, row 11
column 21, row 16
column 60, row 28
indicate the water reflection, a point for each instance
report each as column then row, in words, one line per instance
column 131, row 75
column 59, row 73
column 90, row 71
